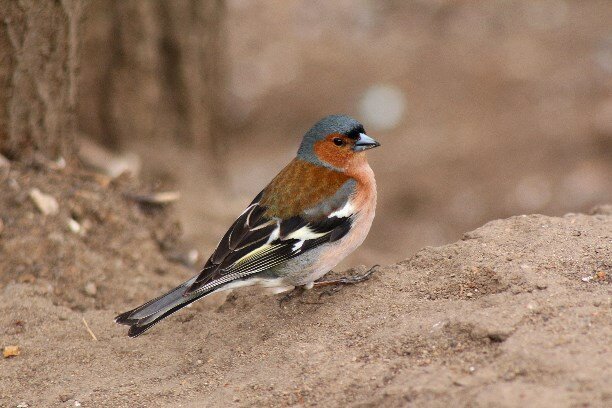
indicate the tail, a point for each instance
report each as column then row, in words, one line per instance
column 146, row 316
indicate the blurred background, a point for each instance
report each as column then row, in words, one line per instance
column 485, row 109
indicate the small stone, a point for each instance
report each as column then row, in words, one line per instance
column 45, row 203
column 187, row 257
column 463, row 381
column 11, row 351
column 77, row 404
column 4, row 163
column 91, row 289
column 13, row 184
column 541, row 285
column 499, row 336
column 65, row 397
column 23, row 405
column 26, row 278
column 74, row 226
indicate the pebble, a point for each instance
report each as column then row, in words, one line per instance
column 11, row 351
column 4, row 163
column 91, row 289
column 499, row 335
column 74, row 226
column 45, row 203
column 13, row 184
column 463, row 381
column 541, row 285
column 186, row 257
column 65, row 397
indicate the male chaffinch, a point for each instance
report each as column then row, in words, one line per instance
column 314, row 213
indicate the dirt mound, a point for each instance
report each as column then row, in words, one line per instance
column 100, row 246
column 518, row 312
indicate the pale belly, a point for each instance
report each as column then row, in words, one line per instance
column 314, row 264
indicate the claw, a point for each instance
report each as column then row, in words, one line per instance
column 330, row 291
column 348, row 280
column 298, row 290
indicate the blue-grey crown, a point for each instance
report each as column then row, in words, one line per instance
column 330, row 124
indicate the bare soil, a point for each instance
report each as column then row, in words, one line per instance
column 517, row 313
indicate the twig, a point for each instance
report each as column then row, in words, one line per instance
column 161, row 198
column 93, row 336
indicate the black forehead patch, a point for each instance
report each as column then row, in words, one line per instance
column 354, row 132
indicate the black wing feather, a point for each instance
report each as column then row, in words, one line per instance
column 247, row 247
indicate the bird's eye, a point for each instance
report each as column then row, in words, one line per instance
column 338, row 142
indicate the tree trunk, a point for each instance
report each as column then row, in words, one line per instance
column 38, row 85
column 151, row 70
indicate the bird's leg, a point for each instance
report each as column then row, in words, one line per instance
column 298, row 290
column 347, row 280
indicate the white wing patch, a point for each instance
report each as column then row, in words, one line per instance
column 297, row 246
column 346, row 211
column 274, row 234
column 305, row 233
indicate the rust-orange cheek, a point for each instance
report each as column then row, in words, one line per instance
column 328, row 152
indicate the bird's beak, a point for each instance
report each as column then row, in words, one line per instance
column 365, row 142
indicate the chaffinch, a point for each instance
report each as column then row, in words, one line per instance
column 314, row 213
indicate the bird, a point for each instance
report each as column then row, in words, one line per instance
column 314, row 212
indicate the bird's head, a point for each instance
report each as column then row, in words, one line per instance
column 336, row 141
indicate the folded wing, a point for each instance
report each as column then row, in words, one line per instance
column 257, row 242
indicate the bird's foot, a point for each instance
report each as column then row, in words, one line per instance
column 347, row 280
column 297, row 291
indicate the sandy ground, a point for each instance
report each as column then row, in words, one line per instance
column 517, row 313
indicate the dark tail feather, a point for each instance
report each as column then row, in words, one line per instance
column 146, row 316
